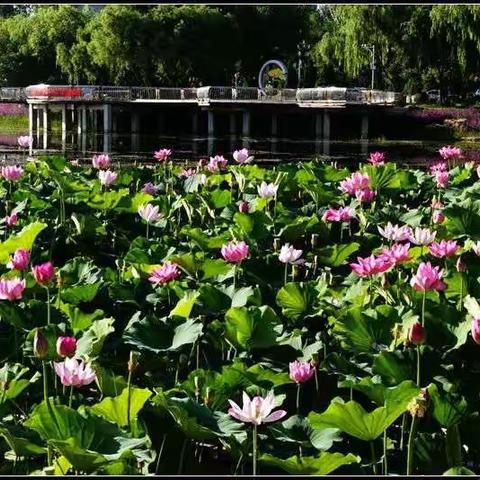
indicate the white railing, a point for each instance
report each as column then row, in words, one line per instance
column 209, row 94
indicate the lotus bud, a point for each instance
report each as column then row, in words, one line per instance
column 207, row 399
column 66, row 346
column 315, row 361
column 461, row 267
column 416, row 334
column 197, row 387
column 277, row 244
column 476, row 330
column 133, row 362
column 314, row 240
column 40, row 345
column 244, row 207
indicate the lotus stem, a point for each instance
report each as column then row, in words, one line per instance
column 254, row 450
column 374, row 458
column 419, row 354
column 411, row 441
column 129, row 396
column 286, row 274
column 402, row 431
column 146, row 234
column 70, row 398
column 48, row 305
column 182, row 456
column 385, row 461
column 423, row 307
column 160, row 452
column 298, row 398
column 453, row 446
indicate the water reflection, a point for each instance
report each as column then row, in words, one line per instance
column 140, row 147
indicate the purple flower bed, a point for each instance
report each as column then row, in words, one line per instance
column 9, row 109
column 439, row 115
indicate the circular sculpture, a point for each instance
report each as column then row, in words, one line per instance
column 273, row 75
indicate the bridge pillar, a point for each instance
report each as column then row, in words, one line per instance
column 135, row 130
column 326, row 133
column 195, row 123
column 30, row 127
column 274, row 125
column 107, row 127
column 232, row 124
column 318, row 126
column 364, row 134
column 246, row 129
column 211, row 123
column 45, row 127
column 38, row 120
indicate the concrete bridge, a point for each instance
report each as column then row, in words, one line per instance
column 99, row 110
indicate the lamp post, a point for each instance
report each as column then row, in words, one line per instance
column 371, row 49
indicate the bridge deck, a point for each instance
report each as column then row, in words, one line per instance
column 203, row 96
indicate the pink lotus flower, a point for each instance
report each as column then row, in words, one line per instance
column 366, row 195
column 187, row 173
column 343, row 214
column 300, row 372
column 162, row 154
column 368, row 266
column 11, row 172
column 438, row 167
column 448, row 152
column 244, row 207
column 101, row 161
column 444, row 248
column 166, row 273
column 288, row 254
column 150, row 188
column 235, row 252
column 476, row 330
column 396, row 254
column 441, row 179
column 267, row 190
column 150, row 213
column 217, row 163
column 427, row 278
column 438, row 217
column 25, row 141
column 66, row 346
column 11, row 220
column 20, row 260
column 377, row 158
column 74, row 372
column 422, row 236
column 416, row 334
column 12, row 289
column 395, row 233
column 43, row 273
column 242, row 156
column 357, row 181
column 460, row 265
column 107, row 177
column 256, row 411
column 476, row 248
column 203, row 162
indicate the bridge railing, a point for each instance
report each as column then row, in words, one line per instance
column 12, row 94
column 205, row 95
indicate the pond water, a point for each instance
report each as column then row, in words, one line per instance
column 267, row 150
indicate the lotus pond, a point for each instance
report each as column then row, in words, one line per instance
column 227, row 318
